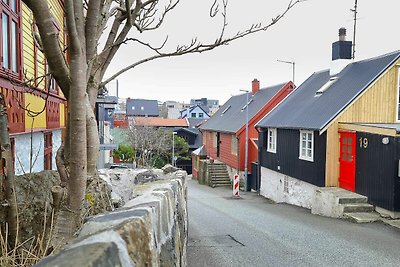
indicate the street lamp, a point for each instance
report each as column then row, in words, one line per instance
column 247, row 138
column 173, row 148
column 289, row 62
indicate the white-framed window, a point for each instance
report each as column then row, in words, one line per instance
column 234, row 145
column 271, row 140
column 306, row 148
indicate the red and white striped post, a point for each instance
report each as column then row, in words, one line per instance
column 236, row 185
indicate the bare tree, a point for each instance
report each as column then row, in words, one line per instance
column 83, row 74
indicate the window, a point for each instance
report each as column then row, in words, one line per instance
column 271, row 140
column 306, row 145
column 215, row 139
column 193, row 115
column 234, row 145
column 201, row 115
column 10, row 36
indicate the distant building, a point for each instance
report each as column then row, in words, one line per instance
column 210, row 105
column 171, row 109
column 195, row 112
column 142, row 108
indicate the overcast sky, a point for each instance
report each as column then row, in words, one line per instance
column 304, row 35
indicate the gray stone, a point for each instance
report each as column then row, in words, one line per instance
column 146, row 177
column 169, row 169
column 97, row 254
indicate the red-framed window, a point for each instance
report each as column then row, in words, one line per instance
column 10, row 35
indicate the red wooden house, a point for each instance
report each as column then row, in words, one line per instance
column 224, row 134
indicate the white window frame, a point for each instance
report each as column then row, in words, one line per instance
column 308, row 151
column 271, row 140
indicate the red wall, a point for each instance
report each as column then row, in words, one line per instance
column 225, row 138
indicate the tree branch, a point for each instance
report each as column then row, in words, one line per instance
column 197, row 47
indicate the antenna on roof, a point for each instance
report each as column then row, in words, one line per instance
column 355, row 28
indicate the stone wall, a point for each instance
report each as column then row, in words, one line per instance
column 149, row 230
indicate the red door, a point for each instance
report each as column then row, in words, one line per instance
column 347, row 175
column 48, row 147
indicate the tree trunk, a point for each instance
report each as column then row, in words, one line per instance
column 8, row 173
column 93, row 142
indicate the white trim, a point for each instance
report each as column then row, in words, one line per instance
column 306, row 156
column 271, row 146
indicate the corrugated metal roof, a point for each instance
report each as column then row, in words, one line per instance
column 142, row 107
column 303, row 109
column 231, row 116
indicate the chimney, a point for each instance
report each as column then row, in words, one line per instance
column 341, row 53
column 255, row 86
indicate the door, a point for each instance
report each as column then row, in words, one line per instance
column 48, row 147
column 347, row 160
column 218, row 144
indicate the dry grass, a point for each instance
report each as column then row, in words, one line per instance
column 27, row 252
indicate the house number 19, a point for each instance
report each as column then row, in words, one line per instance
column 363, row 142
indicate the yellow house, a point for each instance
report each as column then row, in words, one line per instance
column 35, row 105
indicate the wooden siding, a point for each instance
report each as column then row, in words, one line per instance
column 376, row 105
column 226, row 155
column 377, row 170
column 286, row 159
column 37, row 104
column 28, row 44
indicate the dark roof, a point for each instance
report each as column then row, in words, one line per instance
column 231, row 116
column 303, row 109
column 142, row 107
column 195, row 122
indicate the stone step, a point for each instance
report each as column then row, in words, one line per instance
column 220, row 172
column 358, row 207
column 353, row 199
column 362, row 217
column 219, row 176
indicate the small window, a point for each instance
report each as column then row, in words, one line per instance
column 306, row 148
column 141, row 108
column 271, row 140
column 193, row 115
column 234, row 145
column 201, row 115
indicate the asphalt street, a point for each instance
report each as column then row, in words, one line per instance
column 253, row 231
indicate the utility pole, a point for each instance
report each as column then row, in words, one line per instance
column 246, row 151
column 293, row 66
column 355, row 28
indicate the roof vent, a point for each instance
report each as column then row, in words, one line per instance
column 326, row 86
column 250, row 101
column 225, row 110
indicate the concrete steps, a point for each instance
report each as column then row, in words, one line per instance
column 219, row 175
column 362, row 217
column 356, row 208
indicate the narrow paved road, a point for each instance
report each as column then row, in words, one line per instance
column 252, row 231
